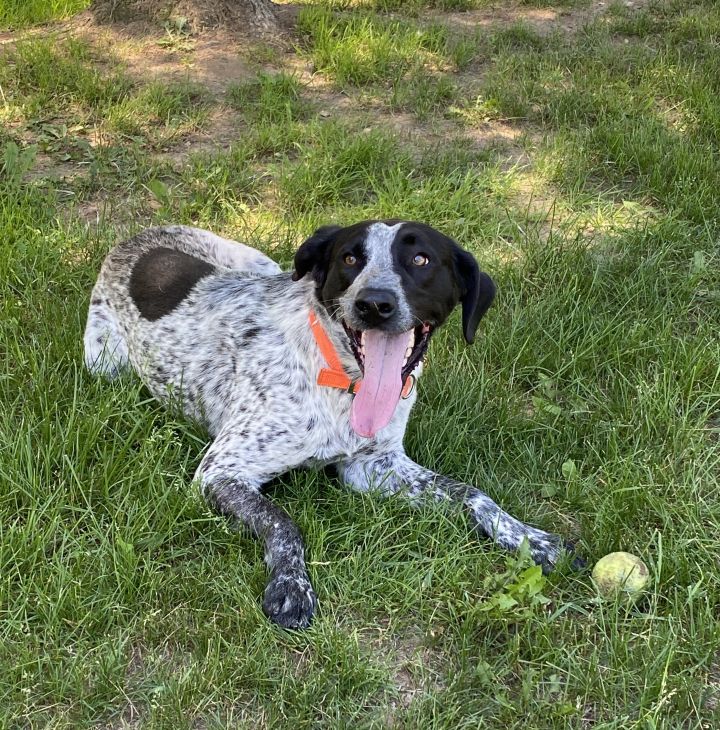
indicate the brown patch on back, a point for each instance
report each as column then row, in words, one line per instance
column 162, row 278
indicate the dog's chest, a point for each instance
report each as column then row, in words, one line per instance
column 329, row 427
column 331, row 435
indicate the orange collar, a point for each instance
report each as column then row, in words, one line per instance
column 334, row 376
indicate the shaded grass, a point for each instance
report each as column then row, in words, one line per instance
column 43, row 79
column 46, row 75
column 270, row 99
column 360, row 49
column 176, row 108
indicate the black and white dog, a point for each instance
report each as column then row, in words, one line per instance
column 295, row 370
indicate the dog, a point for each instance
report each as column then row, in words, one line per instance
column 310, row 368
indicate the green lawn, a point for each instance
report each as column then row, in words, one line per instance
column 22, row 13
column 579, row 158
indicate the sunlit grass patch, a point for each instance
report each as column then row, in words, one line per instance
column 22, row 13
column 48, row 75
column 638, row 116
column 402, row 65
column 582, row 210
column 269, row 99
column 345, row 173
column 217, row 181
column 158, row 112
column 334, row 166
column 359, row 49
column 645, row 158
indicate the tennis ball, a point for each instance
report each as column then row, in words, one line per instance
column 620, row 573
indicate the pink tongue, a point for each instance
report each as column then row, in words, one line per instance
column 375, row 403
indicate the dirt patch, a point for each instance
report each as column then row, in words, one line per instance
column 149, row 53
column 211, row 60
column 543, row 20
column 92, row 212
column 48, row 167
column 415, row 666
column 131, row 715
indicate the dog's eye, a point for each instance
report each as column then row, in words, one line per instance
column 420, row 259
column 349, row 259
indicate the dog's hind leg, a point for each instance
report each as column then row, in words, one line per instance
column 223, row 474
column 394, row 472
column 106, row 351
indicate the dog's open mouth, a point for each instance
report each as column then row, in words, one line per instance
column 386, row 360
column 414, row 352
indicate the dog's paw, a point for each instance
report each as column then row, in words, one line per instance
column 548, row 550
column 290, row 601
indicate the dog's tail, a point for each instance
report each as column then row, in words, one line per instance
column 106, row 351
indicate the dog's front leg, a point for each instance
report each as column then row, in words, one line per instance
column 228, row 486
column 395, row 473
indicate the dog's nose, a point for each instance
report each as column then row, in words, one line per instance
column 374, row 306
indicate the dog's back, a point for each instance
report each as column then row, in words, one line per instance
column 143, row 282
column 156, row 270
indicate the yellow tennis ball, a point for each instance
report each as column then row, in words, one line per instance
column 620, row 573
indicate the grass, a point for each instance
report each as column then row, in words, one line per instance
column 173, row 108
column 22, row 13
column 402, row 61
column 44, row 76
column 590, row 404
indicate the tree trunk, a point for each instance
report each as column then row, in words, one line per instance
column 244, row 15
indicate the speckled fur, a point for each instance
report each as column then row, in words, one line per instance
column 237, row 356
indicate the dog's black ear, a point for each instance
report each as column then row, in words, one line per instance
column 477, row 291
column 313, row 254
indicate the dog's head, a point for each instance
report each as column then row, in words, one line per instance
column 391, row 284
